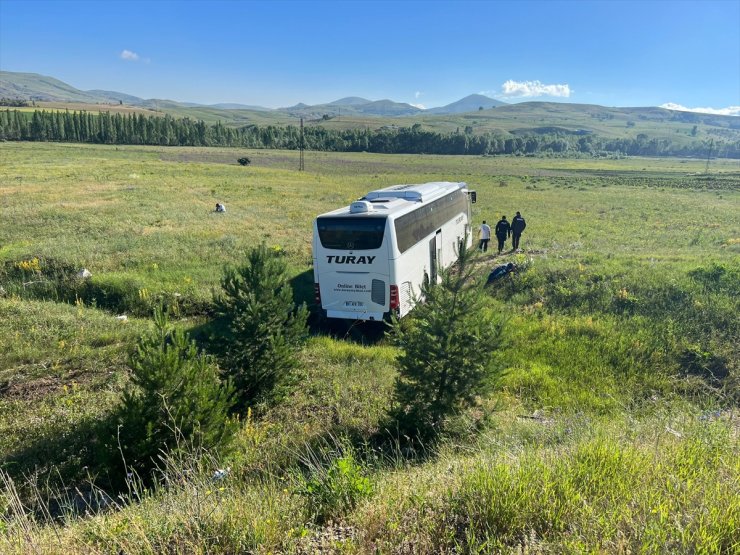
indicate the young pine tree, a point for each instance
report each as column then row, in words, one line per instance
column 264, row 327
column 448, row 350
column 176, row 400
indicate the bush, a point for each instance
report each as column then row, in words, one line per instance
column 244, row 161
column 176, row 401
column 718, row 277
column 447, row 350
column 334, row 487
column 264, row 328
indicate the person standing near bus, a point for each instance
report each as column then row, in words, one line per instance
column 485, row 236
column 517, row 227
column 503, row 230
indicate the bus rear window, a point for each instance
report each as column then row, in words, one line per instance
column 351, row 233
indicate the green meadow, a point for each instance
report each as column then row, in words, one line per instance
column 614, row 429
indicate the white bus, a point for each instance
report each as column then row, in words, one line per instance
column 371, row 257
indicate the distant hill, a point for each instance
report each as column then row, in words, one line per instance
column 234, row 106
column 350, row 101
column 470, row 103
column 41, row 88
column 163, row 104
column 388, row 108
column 32, row 86
column 625, row 121
column 112, row 96
column 299, row 106
column 353, row 105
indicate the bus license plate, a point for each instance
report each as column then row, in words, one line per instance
column 354, row 303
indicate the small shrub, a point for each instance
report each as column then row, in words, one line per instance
column 694, row 361
column 334, row 488
column 624, row 301
column 718, row 277
column 447, row 350
column 264, row 328
column 244, row 161
column 176, row 400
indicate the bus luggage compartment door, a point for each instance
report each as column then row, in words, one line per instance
column 354, row 295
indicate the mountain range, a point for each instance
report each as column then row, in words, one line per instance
column 42, row 88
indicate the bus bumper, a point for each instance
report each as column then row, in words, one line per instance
column 353, row 315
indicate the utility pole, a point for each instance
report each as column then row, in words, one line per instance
column 302, row 146
column 709, row 156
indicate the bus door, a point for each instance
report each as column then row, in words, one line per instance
column 438, row 237
column 435, row 255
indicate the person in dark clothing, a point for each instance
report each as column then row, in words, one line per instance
column 503, row 230
column 517, row 227
column 500, row 271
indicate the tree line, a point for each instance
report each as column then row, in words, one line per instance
column 14, row 102
column 141, row 129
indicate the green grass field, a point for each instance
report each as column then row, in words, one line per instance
column 615, row 428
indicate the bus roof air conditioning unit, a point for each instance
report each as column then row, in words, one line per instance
column 360, row 207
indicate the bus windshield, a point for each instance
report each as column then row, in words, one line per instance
column 351, row 233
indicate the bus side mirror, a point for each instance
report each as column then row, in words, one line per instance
column 473, row 197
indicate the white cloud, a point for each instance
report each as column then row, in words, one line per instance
column 729, row 111
column 530, row 89
column 129, row 56
column 420, row 106
column 417, row 94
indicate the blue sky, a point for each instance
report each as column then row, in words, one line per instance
column 618, row 53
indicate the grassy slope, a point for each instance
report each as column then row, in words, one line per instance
column 93, row 107
column 23, row 85
column 622, row 455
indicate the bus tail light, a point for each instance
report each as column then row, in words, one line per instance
column 317, row 293
column 394, row 303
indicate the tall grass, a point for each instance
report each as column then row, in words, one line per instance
column 603, row 493
column 190, row 510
